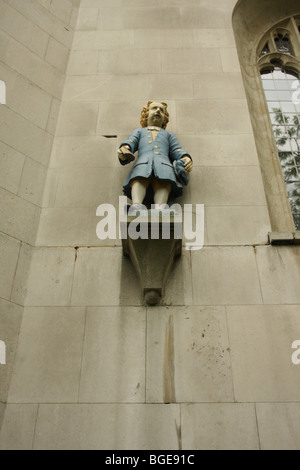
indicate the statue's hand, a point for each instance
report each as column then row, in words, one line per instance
column 124, row 154
column 188, row 166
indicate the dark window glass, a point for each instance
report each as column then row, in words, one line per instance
column 283, row 44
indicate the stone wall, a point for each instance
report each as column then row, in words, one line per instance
column 211, row 367
column 35, row 41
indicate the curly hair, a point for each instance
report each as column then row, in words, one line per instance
column 145, row 114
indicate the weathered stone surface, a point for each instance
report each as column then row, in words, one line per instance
column 108, row 426
column 48, row 368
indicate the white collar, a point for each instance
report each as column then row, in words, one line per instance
column 153, row 128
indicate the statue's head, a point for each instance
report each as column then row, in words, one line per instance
column 156, row 112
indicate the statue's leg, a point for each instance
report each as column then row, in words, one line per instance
column 161, row 191
column 138, row 190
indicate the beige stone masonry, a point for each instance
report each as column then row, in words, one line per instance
column 89, row 365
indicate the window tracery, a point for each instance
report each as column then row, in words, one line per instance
column 280, row 73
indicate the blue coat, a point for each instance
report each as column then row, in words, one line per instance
column 155, row 157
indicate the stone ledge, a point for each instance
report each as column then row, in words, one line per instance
column 284, row 238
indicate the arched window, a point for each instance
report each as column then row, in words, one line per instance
column 2, row 92
column 267, row 34
column 279, row 86
column 280, row 71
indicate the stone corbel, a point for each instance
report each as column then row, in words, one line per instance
column 153, row 253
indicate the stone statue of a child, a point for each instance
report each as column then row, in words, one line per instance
column 162, row 166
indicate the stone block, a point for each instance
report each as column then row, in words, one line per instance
column 45, row 3
column 103, row 40
column 112, row 116
column 106, row 427
column 279, row 273
column 53, row 116
column 110, row 18
column 227, row 186
column 106, row 87
column 104, row 3
column 221, row 150
column 82, row 60
column 32, row 67
column 165, row 39
column 57, row 55
column 62, row 9
column 178, row 288
column 87, row 19
column 211, row 37
column 225, row 276
column 171, row 86
column 230, row 60
column 30, row 140
column 171, row 17
column 11, row 166
column 213, row 117
column 237, row 225
column 63, row 227
column 50, row 187
column 86, row 152
column 77, row 119
column 218, row 86
column 278, row 425
column 10, row 321
column 32, row 182
column 18, row 427
column 49, row 279
column 114, row 371
column 19, row 218
column 187, row 355
column 191, row 60
column 260, row 339
column 9, row 254
column 230, row 426
column 48, row 360
column 104, row 277
column 89, row 187
column 22, row 29
column 19, row 290
column 4, row 45
column 46, row 20
column 70, row 227
column 133, row 62
column 39, row 41
column 92, row 239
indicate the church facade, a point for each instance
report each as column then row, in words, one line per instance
column 84, row 362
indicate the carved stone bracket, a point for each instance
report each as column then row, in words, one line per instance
column 154, row 252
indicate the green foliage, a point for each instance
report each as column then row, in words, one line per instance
column 287, row 136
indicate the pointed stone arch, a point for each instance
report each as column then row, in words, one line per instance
column 252, row 21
